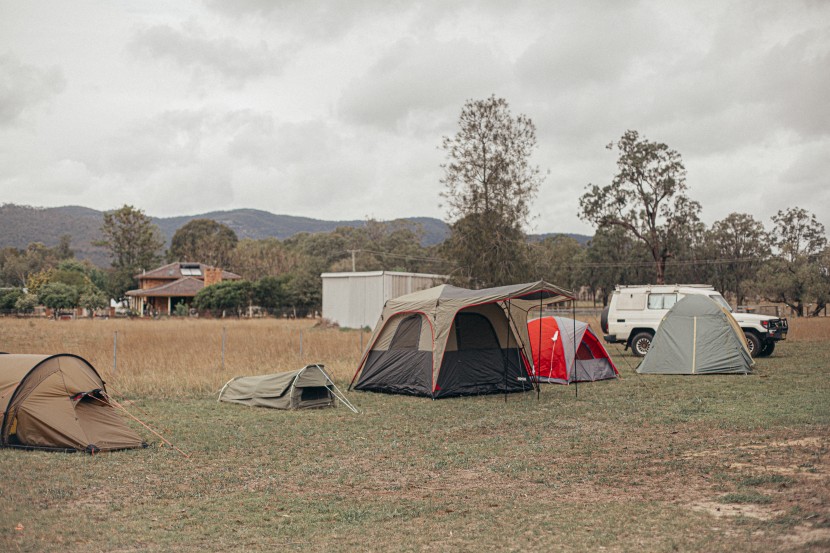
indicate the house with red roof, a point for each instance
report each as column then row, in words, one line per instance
column 161, row 290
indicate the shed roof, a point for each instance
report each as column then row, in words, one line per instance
column 354, row 274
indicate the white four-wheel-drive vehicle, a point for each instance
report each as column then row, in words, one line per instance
column 634, row 313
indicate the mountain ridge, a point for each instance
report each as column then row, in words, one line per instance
column 21, row 225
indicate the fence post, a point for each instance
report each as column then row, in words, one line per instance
column 115, row 353
column 301, row 345
column 224, row 334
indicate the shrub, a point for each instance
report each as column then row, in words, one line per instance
column 8, row 298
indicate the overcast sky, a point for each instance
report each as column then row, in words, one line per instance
column 335, row 110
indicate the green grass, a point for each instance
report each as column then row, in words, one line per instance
column 746, row 497
column 765, row 479
column 629, row 465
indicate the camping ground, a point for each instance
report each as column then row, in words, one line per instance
column 645, row 463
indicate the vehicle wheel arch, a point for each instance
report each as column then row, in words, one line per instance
column 636, row 334
column 754, row 341
column 767, row 347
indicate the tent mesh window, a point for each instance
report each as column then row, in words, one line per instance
column 408, row 333
column 474, row 331
column 314, row 393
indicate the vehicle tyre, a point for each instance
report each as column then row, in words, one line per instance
column 753, row 343
column 767, row 348
column 640, row 343
column 603, row 320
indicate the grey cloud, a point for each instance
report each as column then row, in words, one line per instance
column 414, row 80
column 194, row 50
column 582, row 47
column 795, row 79
column 590, row 75
column 170, row 138
column 812, row 194
column 179, row 138
column 810, row 170
column 23, row 88
column 706, row 86
column 746, row 89
column 202, row 158
column 317, row 20
column 191, row 187
column 253, row 138
column 260, row 140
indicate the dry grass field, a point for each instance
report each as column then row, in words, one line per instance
column 644, row 463
column 183, row 358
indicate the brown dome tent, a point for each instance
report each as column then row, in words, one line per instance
column 448, row 341
column 58, row 402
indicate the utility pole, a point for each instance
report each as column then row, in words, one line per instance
column 353, row 252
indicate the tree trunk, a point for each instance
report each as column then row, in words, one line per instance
column 797, row 307
column 660, row 265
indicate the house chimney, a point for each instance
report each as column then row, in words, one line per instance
column 213, row 275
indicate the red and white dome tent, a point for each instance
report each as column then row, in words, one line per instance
column 569, row 352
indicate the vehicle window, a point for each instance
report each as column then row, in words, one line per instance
column 661, row 301
column 631, row 301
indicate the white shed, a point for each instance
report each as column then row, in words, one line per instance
column 355, row 300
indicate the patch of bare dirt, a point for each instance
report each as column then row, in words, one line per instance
column 806, row 534
column 746, row 510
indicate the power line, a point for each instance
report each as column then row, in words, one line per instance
column 402, row 256
column 721, row 261
column 589, row 264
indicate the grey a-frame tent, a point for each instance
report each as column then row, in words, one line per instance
column 449, row 341
column 697, row 336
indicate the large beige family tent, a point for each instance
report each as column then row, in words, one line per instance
column 697, row 336
column 449, row 341
column 58, row 402
column 308, row 388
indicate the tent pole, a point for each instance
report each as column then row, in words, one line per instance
column 536, row 366
column 506, row 355
column 573, row 338
column 341, row 396
column 524, row 348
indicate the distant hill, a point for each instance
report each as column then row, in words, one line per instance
column 581, row 238
column 256, row 224
column 21, row 225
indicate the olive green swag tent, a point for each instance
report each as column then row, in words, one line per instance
column 306, row 388
column 449, row 341
column 58, row 402
column 697, row 336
